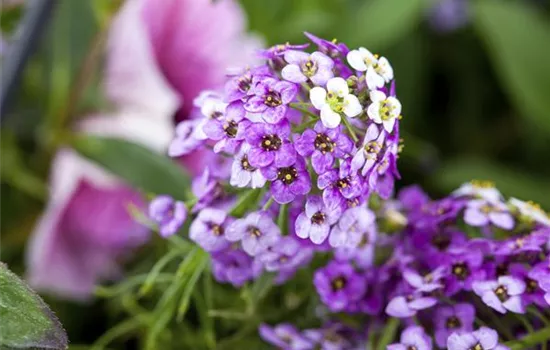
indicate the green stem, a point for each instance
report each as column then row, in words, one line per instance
column 530, row 340
column 350, row 129
column 525, row 322
column 533, row 311
column 297, row 107
column 268, row 204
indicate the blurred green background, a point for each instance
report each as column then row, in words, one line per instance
column 476, row 98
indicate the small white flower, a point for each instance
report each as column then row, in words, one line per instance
column 384, row 109
column 379, row 70
column 531, row 210
column 481, row 189
column 333, row 101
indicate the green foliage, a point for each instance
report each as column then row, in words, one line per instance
column 27, row 321
column 517, row 36
column 138, row 165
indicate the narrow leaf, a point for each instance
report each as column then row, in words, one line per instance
column 136, row 164
column 245, row 202
column 26, row 321
column 388, row 333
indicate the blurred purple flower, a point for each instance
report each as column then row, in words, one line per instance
column 168, row 214
column 484, row 338
column 413, row 337
column 458, row 318
column 503, row 294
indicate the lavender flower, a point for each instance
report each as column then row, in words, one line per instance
column 479, row 189
column 288, row 182
column 330, row 48
column 235, row 267
column 270, row 98
column 168, row 213
column 333, row 101
column 239, row 87
column 404, row 306
column 208, row 229
column 534, row 294
column 481, row 213
column 256, row 232
column 503, row 294
column 363, row 254
column 208, row 190
column 414, row 337
column 269, row 144
column 458, row 318
column 228, row 129
column 371, row 150
column 315, row 222
column 323, row 145
column 427, row 283
column 243, row 173
column 464, row 269
column 186, row 139
column 338, row 285
column 285, row 336
column 341, row 184
column 483, row 339
column 302, row 67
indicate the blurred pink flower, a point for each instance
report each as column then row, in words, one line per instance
column 161, row 54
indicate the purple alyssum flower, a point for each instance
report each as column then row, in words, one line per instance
column 208, row 229
column 341, row 184
column 534, row 294
column 427, row 283
column 338, row 285
column 287, row 254
column 284, row 336
column 256, row 232
column 243, row 174
column 350, row 229
column 481, row 213
column 323, row 145
column 270, row 144
column 464, row 266
column 288, row 182
column 315, row 222
column 228, row 130
column 371, row 150
column 270, row 98
column 239, row 86
column 207, row 189
column 413, row 337
column 404, row 306
column 168, row 213
column 503, row 295
column 363, row 254
column 483, row 339
column 301, row 67
column 235, row 267
column 458, row 318
column 186, row 140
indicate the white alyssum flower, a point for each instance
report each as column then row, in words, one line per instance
column 333, row 101
column 480, row 189
column 531, row 210
column 384, row 109
column 379, row 71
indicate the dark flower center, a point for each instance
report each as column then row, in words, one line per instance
column 502, row 269
column 352, row 203
column 441, row 241
column 477, row 347
column 287, row 175
column 338, row 283
column 244, row 83
column 273, row 99
column 309, row 68
column 285, row 338
column 502, row 293
column 271, row 142
column 372, row 148
column 254, row 231
column 532, row 285
column 230, row 128
column 324, row 144
column 216, row 229
column 342, row 183
column 318, row 218
column 453, row 322
column 461, row 271
column 411, row 347
column 364, row 241
column 245, row 165
column 216, row 115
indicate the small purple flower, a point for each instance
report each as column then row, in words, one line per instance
column 284, row 336
column 256, row 232
column 404, row 306
column 270, row 98
column 503, row 294
column 351, row 228
column 413, row 197
column 239, row 87
column 323, row 145
column 483, row 339
column 363, row 254
column 286, row 254
column 534, row 294
column 464, row 266
column 315, row 222
column 277, row 51
column 208, row 190
column 235, row 267
column 382, row 178
column 414, row 337
column 186, row 140
column 338, row 285
column 288, row 182
column 371, row 150
column 243, row 173
column 228, row 129
column 480, row 212
column 302, row 66
column 168, row 213
column 427, row 283
column 334, row 336
column 532, row 243
column 458, row 318
column 208, row 229
column 338, row 185
column 270, row 144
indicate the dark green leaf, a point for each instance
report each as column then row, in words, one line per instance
column 516, row 36
column 26, row 320
column 136, row 164
column 388, row 333
column 380, row 23
column 245, row 202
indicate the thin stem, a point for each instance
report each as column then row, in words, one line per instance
column 297, row 106
column 350, row 129
column 268, row 204
column 533, row 311
column 304, row 126
column 525, row 322
column 530, row 340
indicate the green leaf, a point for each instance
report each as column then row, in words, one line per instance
column 138, row 165
column 380, row 23
column 388, row 333
column 245, row 202
column 26, row 320
column 516, row 36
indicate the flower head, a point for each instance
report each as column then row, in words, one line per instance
column 503, row 294
column 270, row 144
column 168, row 213
column 270, row 97
column 414, row 337
column 243, row 173
column 480, row 212
column 483, row 339
column 315, row 222
column 256, row 232
column 333, row 101
column 457, row 318
column 379, row 70
column 288, row 182
column 384, row 109
column 208, row 229
column 338, row 285
column 315, row 67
